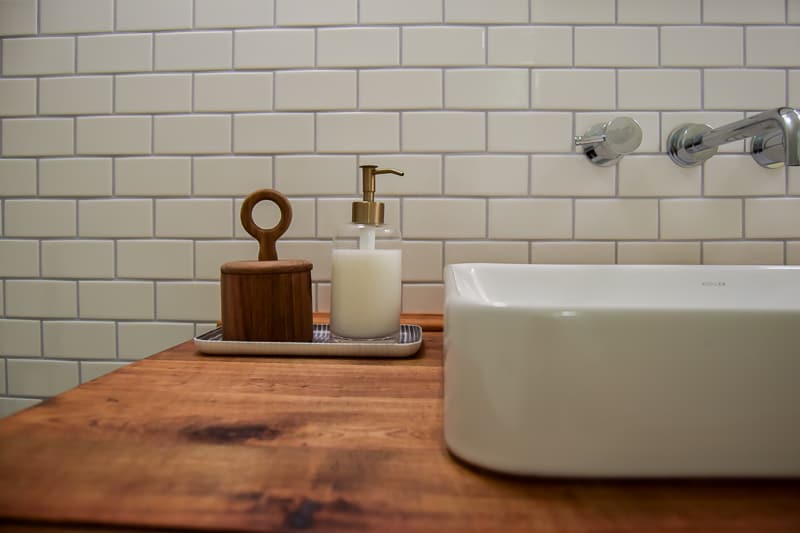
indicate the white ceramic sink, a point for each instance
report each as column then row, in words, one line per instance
column 632, row 371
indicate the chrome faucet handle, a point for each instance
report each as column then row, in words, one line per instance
column 605, row 143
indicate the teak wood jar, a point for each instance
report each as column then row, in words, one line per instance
column 268, row 299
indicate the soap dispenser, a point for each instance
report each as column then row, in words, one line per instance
column 366, row 281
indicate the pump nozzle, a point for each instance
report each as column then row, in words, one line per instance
column 368, row 211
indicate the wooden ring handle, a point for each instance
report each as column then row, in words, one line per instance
column 266, row 237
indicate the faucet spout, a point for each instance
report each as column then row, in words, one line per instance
column 775, row 133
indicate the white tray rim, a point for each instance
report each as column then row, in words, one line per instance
column 319, row 349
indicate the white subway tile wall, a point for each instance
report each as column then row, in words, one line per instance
column 131, row 131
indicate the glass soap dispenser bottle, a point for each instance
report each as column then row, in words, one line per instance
column 366, row 281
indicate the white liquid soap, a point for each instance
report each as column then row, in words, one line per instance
column 366, row 277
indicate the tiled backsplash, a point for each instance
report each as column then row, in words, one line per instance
column 133, row 129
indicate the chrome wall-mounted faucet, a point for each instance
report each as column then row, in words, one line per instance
column 605, row 143
column 775, row 133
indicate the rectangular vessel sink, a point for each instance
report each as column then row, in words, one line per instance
column 623, row 371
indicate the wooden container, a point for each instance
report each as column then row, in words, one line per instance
column 268, row 299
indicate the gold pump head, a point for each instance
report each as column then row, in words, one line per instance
column 368, row 211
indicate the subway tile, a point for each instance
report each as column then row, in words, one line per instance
column 480, row 12
column 266, row 214
column 449, row 131
column 616, row 46
column 743, row 12
column 197, row 50
column 113, row 135
column 772, row 218
column 37, row 136
column 530, row 218
column 84, row 95
column 231, row 175
column 794, row 87
column 486, row 175
column 75, row 176
column 658, row 12
column 41, row 299
column 153, row 93
column 739, row 175
column 94, row 369
column 621, row 219
column 567, row 89
column 423, row 173
column 2, row 296
column 316, row 175
column 77, row 259
column 572, row 11
column 648, row 121
column 273, row 133
column 244, row 91
column 743, row 253
column 422, row 261
column 17, row 97
column 155, row 259
column 211, row 255
column 300, row 90
column 19, row 258
column 17, row 177
column 315, row 12
column 793, row 11
column 274, row 48
column 192, row 134
column 572, row 252
column 9, row 406
column 744, row 89
column 233, row 13
column 19, row 18
column 406, row 12
column 443, row 46
column 27, row 377
column 702, row 46
column 39, row 218
column 400, row 89
column 794, row 180
column 153, row 176
column 149, row 15
column 38, row 56
column 530, row 132
column 358, row 132
column 701, row 219
column 80, row 339
column 714, row 119
column 793, row 253
column 423, row 298
column 198, row 300
column 569, row 175
column 2, row 378
column 138, row 340
column 115, row 218
column 194, row 218
column 773, row 46
column 659, row 89
column 76, row 16
column 486, row 89
column 20, row 338
column 485, row 252
column 444, row 218
column 129, row 52
column 657, row 175
column 358, row 47
column 523, row 46
column 116, row 300
column 658, row 253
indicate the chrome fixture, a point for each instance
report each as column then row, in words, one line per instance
column 605, row 143
column 775, row 133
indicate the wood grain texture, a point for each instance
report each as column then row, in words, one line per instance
column 182, row 440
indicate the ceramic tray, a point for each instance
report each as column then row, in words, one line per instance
column 321, row 345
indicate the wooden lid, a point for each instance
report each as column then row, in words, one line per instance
column 281, row 266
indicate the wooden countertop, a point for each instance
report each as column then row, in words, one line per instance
column 181, row 440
